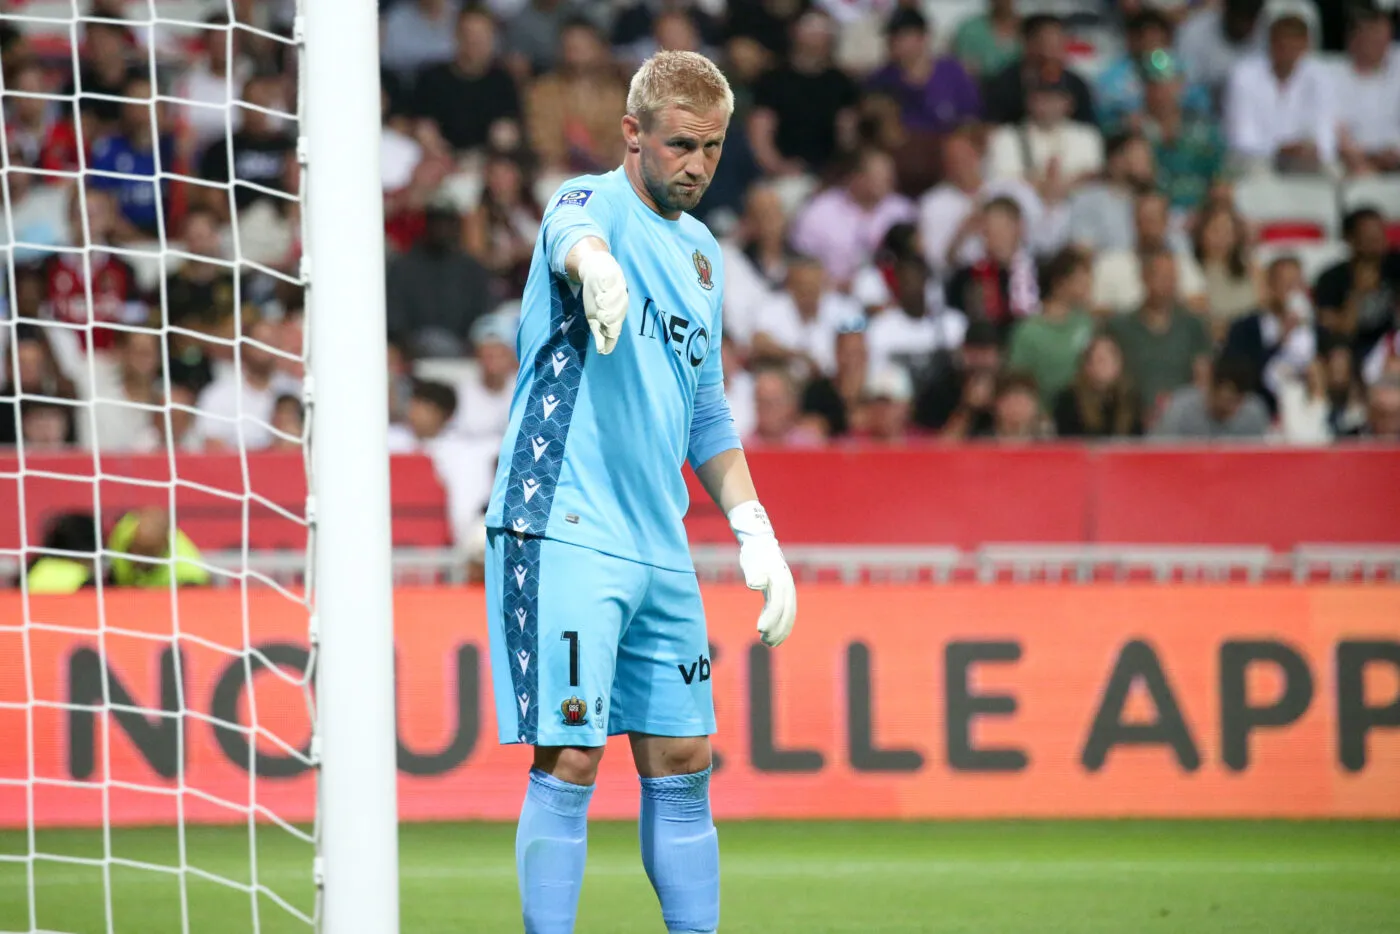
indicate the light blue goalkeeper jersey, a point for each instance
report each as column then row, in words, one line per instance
column 595, row 447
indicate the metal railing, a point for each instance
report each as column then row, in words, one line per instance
column 905, row 564
column 1013, row 562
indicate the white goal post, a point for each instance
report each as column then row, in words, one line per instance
column 350, row 466
column 344, row 591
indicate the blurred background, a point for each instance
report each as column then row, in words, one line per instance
column 1065, row 292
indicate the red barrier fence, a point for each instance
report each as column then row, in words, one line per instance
column 929, row 494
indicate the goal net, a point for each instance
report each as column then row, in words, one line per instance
column 158, row 735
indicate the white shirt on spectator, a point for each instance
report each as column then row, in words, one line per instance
column 122, row 428
column 842, row 234
column 1206, row 56
column 738, row 389
column 943, row 208
column 1077, row 146
column 1295, row 353
column 816, row 338
column 1385, row 355
column 746, row 291
column 222, row 398
column 1368, row 106
column 1302, row 418
column 1118, row 280
column 411, row 41
column 201, row 86
column 465, row 467
column 893, row 337
column 399, row 155
column 1262, row 116
column 481, row 413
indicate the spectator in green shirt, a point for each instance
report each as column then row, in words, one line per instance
column 1048, row 345
column 1189, row 147
column 1164, row 346
column 988, row 43
column 145, row 534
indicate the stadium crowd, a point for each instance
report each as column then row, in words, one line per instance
column 1146, row 218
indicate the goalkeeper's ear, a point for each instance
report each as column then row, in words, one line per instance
column 631, row 133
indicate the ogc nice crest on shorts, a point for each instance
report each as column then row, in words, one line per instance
column 575, row 711
column 704, row 270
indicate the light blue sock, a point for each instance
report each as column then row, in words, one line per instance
column 680, row 851
column 551, row 846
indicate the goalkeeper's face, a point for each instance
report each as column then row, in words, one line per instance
column 678, row 152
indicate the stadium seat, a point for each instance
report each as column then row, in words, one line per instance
column 1315, row 258
column 1289, row 210
column 1381, row 192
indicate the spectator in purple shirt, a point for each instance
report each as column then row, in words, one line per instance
column 844, row 225
column 934, row 94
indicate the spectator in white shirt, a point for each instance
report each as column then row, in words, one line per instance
column 842, row 226
column 483, row 409
column 124, row 384
column 1213, row 39
column 464, row 465
column 1368, row 95
column 1279, row 111
column 239, row 403
column 1118, row 274
column 950, row 214
column 209, row 81
column 915, row 325
column 755, row 262
column 1048, row 149
column 431, row 409
column 738, row 387
column 799, row 326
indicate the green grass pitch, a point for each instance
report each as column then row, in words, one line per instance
column 1125, row 877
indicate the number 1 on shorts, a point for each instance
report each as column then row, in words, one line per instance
column 571, row 637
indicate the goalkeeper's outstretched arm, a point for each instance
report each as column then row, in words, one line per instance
column 726, row 478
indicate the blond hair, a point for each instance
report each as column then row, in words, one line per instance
column 687, row 80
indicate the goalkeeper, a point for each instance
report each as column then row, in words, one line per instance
column 596, row 622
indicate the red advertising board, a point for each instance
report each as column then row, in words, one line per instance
column 930, row 494
column 888, row 702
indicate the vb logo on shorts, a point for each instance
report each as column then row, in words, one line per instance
column 575, row 712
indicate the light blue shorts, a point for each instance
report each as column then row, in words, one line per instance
column 585, row 645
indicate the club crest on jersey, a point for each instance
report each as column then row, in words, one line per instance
column 577, row 198
column 704, row 270
column 575, row 711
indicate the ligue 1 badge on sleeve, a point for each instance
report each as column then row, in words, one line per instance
column 575, row 711
column 704, row 270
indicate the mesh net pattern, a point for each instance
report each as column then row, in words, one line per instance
column 116, row 703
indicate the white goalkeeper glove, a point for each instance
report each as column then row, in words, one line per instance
column 604, row 298
column 765, row 569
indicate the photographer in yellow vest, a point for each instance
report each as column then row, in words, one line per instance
column 139, row 547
